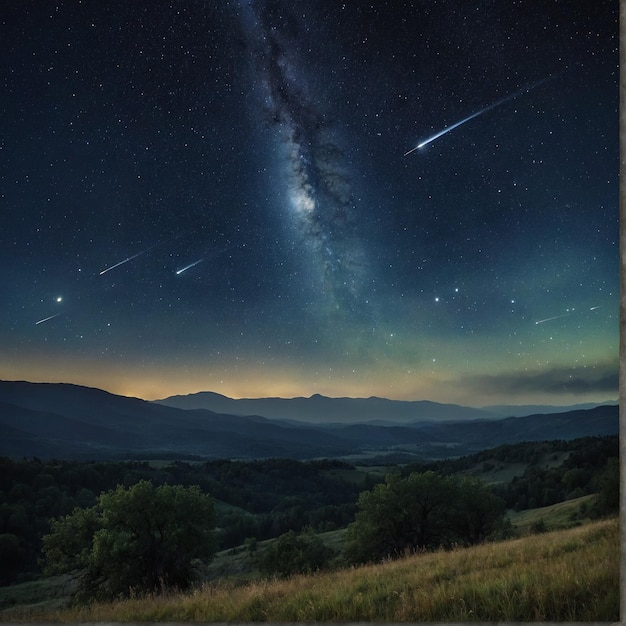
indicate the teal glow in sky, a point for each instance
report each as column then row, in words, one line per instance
column 223, row 196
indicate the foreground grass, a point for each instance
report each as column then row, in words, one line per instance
column 567, row 575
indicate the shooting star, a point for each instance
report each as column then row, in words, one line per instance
column 184, row 269
column 130, row 258
column 593, row 308
column 471, row 117
column 213, row 255
column 556, row 317
column 45, row 319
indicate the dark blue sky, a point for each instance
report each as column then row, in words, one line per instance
column 216, row 196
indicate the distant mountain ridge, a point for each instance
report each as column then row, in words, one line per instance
column 520, row 410
column 70, row 421
column 321, row 409
column 64, row 421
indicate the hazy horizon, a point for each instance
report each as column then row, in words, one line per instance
column 605, row 400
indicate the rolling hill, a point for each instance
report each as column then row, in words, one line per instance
column 321, row 409
column 73, row 422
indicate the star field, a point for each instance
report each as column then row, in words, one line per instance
column 230, row 196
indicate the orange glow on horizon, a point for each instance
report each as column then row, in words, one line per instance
column 157, row 382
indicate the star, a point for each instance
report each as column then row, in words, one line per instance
column 224, row 187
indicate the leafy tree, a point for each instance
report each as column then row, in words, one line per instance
column 135, row 539
column 477, row 511
column 400, row 515
column 423, row 511
column 294, row 554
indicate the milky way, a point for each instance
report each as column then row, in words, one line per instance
column 320, row 201
column 212, row 196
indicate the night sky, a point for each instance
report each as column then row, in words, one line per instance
column 217, row 196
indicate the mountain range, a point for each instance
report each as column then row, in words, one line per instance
column 321, row 409
column 56, row 420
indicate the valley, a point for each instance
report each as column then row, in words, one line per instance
column 280, row 481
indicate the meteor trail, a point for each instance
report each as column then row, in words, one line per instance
column 556, row 317
column 448, row 129
column 471, row 117
column 130, row 258
column 184, row 269
column 204, row 258
column 45, row 319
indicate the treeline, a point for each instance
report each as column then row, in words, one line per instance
column 260, row 499
column 145, row 540
column 266, row 499
column 545, row 481
column 590, row 468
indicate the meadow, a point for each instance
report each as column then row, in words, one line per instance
column 562, row 575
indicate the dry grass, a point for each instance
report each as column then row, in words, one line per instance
column 568, row 575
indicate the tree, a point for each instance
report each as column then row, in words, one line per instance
column 135, row 539
column 294, row 554
column 400, row 515
column 420, row 512
column 477, row 511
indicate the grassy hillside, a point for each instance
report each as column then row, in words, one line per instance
column 556, row 516
column 567, row 575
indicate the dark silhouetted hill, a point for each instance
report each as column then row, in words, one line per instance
column 321, row 409
column 73, row 422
